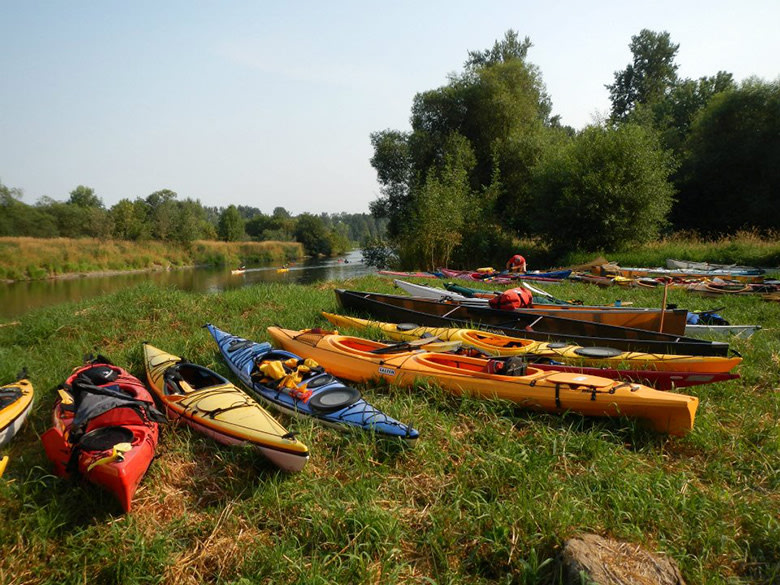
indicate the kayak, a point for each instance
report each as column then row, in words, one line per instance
column 740, row 331
column 634, row 272
column 16, row 401
column 212, row 405
column 498, row 345
column 318, row 395
column 363, row 360
column 104, row 428
column 711, row 267
column 409, row 274
column 397, row 309
column 672, row 321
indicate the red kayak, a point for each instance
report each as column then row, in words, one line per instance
column 653, row 378
column 104, row 428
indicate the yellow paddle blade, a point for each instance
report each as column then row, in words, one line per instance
column 3, row 463
column 117, row 454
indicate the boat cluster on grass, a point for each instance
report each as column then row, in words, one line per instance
column 549, row 355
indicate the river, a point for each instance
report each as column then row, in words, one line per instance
column 18, row 297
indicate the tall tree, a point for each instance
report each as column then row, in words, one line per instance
column 648, row 78
column 311, row 232
column 730, row 178
column 85, row 197
column 231, row 225
column 499, row 106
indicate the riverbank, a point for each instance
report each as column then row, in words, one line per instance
column 489, row 493
column 38, row 258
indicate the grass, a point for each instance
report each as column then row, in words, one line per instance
column 35, row 258
column 745, row 248
column 488, row 495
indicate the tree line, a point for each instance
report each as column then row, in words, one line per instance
column 163, row 216
column 486, row 161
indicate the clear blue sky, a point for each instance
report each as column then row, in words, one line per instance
column 271, row 103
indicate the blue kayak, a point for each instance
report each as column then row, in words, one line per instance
column 319, row 395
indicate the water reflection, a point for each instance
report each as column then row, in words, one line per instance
column 18, row 297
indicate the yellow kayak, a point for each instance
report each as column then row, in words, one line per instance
column 212, row 405
column 495, row 344
column 363, row 360
column 16, row 401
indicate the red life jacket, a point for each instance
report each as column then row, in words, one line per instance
column 514, row 298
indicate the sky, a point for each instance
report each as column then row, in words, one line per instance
column 272, row 104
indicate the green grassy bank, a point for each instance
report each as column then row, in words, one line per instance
column 33, row 258
column 488, row 495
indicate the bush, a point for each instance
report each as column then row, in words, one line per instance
column 606, row 189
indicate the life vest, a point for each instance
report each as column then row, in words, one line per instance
column 286, row 375
column 514, row 298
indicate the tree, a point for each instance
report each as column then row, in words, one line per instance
column 162, row 214
column 605, row 190
column 231, row 225
column 730, row 176
column 648, row 78
column 437, row 221
column 311, row 232
column 257, row 226
column 499, row 107
column 85, row 197
column 129, row 219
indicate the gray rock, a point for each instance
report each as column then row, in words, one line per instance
column 592, row 559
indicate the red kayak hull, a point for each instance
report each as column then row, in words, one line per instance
column 653, row 378
column 120, row 477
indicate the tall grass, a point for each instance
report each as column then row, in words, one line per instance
column 33, row 258
column 488, row 495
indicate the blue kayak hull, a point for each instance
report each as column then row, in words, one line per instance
column 241, row 355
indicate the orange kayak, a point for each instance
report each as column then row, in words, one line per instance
column 363, row 360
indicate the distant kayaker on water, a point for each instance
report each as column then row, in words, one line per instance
column 516, row 264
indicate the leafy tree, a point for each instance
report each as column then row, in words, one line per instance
column 648, row 78
column 257, row 227
column 686, row 99
column 130, row 220
column 85, row 197
column 607, row 189
column 231, row 225
column 438, row 217
column 730, row 177
column 162, row 214
column 19, row 219
column 379, row 253
column 499, row 106
column 190, row 222
column 311, row 232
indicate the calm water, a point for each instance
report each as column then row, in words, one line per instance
column 18, row 297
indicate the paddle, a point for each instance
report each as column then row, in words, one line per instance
column 404, row 345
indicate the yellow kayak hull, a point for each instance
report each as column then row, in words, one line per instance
column 495, row 344
column 13, row 415
column 551, row 391
column 222, row 411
